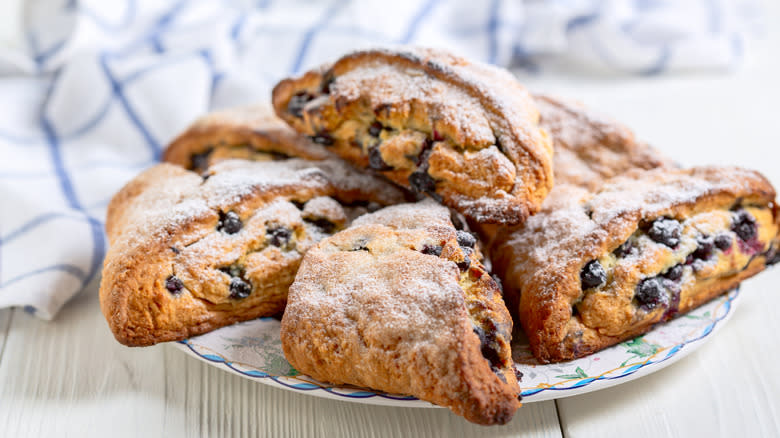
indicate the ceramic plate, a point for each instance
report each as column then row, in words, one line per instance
column 253, row 350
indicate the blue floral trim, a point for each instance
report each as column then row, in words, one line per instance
column 304, row 386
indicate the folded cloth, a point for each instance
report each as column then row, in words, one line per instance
column 93, row 90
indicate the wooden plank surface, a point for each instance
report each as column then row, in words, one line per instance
column 70, row 377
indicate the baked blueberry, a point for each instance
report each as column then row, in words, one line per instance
column 723, row 242
column 323, row 224
column 297, row 102
column 174, row 284
column 626, row 249
column 704, row 249
column 666, row 231
column 239, row 288
column 229, row 222
column 487, row 341
column 421, row 182
column 744, row 225
column 651, row 293
column 432, row 250
column 674, row 273
column 375, row 160
column 279, row 236
column 466, row 239
column 201, row 161
column 375, row 129
column 466, row 263
column 593, row 275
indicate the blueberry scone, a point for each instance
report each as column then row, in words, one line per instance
column 400, row 302
column 595, row 268
column 251, row 132
column 464, row 133
column 591, row 148
column 193, row 252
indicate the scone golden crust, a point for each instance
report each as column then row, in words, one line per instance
column 590, row 148
column 593, row 269
column 464, row 133
column 191, row 253
column 399, row 302
column 250, row 132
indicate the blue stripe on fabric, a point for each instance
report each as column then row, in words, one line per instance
column 87, row 166
column 163, row 23
column 581, row 20
column 312, row 32
column 98, row 248
column 36, row 222
column 411, row 31
column 659, row 65
column 119, row 93
column 54, row 150
column 64, row 267
column 40, row 58
column 492, row 31
column 66, row 185
column 235, row 30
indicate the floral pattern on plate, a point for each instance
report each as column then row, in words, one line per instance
column 253, row 349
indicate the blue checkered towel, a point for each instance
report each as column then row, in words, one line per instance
column 92, row 90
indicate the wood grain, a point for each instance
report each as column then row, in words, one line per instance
column 69, row 376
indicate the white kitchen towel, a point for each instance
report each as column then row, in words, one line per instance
column 92, row 90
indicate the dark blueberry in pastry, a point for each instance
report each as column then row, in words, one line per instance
column 323, row 224
column 229, row 222
column 327, row 82
column 626, row 249
column 487, row 342
column 421, row 182
column 666, row 231
column 297, row 102
column 173, row 284
column 375, row 160
column 466, row 263
column 650, row 293
column 279, row 236
column 233, row 270
column 432, row 250
column 593, row 275
column 744, row 224
column 723, row 242
column 466, row 239
column 674, row 273
column 375, row 129
column 323, row 139
column 704, row 248
column 201, row 161
column 239, row 288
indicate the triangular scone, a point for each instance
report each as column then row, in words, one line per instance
column 399, row 302
column 249, row 132
column 590, row 148
column 190, row 253
column 464, row 133
column 593, row 269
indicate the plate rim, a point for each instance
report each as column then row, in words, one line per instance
column 580, row 386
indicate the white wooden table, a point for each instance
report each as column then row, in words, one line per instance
column 69, row 377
